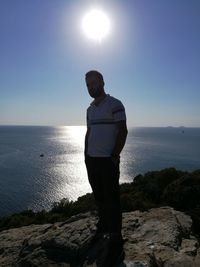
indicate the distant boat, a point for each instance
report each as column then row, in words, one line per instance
column 41, row 155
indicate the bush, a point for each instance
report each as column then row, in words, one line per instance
column 84, row 204
column 65, row 206
column 180, row 190
column 183, row 194
column 152, row 184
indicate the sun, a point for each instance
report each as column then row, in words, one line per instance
column 96, row 24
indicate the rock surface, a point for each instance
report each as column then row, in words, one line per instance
column 161, row 237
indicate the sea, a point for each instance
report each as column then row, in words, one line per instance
column 40, row 165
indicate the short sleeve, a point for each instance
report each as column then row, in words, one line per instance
column 118, row 111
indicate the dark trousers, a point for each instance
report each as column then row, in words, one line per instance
column 103, row 175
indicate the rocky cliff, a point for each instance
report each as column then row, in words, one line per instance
column 160, row 237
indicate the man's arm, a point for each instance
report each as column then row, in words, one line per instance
column 121, row 138
column 86, row 141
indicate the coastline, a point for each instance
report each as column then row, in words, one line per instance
column 41, row 181
column 168, row 187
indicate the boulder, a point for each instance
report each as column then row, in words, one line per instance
column 160, row 237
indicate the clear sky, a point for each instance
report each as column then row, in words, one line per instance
column 150, row 61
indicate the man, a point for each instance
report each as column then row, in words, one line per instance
column 105, row 138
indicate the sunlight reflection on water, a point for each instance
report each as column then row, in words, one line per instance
column 67, row 176
column 77, row 184
column 30, row 181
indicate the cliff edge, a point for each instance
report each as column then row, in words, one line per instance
column 160, row 237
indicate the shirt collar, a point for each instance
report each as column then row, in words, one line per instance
column 104, row 100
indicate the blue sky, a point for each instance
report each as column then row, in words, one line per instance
column 150, row 60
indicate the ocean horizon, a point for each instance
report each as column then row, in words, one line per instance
column 40, row 165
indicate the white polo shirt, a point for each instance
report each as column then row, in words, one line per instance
column 102, row 122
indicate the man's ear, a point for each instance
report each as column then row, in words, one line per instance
column 103, row 83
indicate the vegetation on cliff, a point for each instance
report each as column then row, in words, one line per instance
column 168, row 187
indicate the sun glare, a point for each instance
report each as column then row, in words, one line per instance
column 76, row 134
column 96, row 24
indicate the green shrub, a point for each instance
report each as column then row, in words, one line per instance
column 183, row 193
column 65, row 206
column 152, row 184
column 84, row 204
column 180, row 190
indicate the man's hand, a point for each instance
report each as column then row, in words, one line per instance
column 86, row 141
column 121, row 138
column 115, row 159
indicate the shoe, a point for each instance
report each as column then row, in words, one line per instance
column 95, row 247
column 112, row 253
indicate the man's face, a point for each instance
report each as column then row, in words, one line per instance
column 94, row 86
